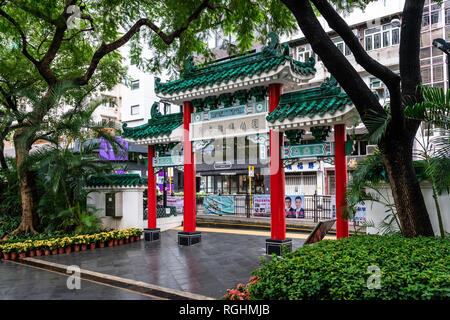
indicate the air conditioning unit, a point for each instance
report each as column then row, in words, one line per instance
column 370, row 149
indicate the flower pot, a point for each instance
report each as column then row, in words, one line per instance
column 13, row 255
column 22, row 255
column 76, row 248
column 68, row 249
column 116, row 242
column 55, row 251
column 6, row 255
column 131, row 239
column 61, row 250
column 138, row 238
column 38, row 252
column 126, row 240
column 120, row 242
column 84, row 247
column 31, row 253
column 110, row 243
column 46, row 252
column 92, row 246
column 102, row 244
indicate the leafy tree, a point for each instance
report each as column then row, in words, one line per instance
column 396, row 143
column 47, row 43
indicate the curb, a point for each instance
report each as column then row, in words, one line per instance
column 129, row 284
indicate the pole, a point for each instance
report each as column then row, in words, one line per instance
column 341, row 179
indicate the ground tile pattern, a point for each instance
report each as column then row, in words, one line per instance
column 220, row 261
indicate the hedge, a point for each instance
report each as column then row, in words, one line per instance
column 417, row 268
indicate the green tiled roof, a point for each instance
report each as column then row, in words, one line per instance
column 328, row 98
column 270, row 58
column 158, row 125
column 117, row 180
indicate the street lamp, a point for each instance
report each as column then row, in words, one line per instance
column 444, row 46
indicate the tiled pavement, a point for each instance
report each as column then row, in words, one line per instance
column 19, row 282
column 219, row 262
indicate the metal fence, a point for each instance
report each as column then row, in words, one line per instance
column 316, row 207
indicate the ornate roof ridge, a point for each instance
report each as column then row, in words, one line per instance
column 122, row 180
column 269, row 58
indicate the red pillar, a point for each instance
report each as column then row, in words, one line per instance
column 278, row 217
column 151, row 200
column 189, row 172
column 340, row 166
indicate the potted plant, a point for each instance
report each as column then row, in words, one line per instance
column 13, row 252
column 21, row 249
column 46, row 246
column 30, row 248
column 76, row 241
column 38, row 247
column 67, row 244
column 6, row 249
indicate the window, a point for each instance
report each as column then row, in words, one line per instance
column 386, row 36
column 135, row 110
column 134, row 84
column 304, row 53
column 340, row 44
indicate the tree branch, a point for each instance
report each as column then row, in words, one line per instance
column 22, row 35
column 333, row 59
column 104, row 49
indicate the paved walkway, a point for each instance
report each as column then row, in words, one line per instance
column 220, row 261
column 19, row 282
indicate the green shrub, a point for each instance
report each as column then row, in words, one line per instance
column 416, row 268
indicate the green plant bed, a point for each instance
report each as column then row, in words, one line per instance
column 416, row 268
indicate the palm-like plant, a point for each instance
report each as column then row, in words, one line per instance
column 433, row 111
column 63, row 168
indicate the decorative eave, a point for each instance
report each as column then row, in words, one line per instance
column 345, row 116
column 324, row 106
column 160, row 129
column 117, row 181
column 272, row 65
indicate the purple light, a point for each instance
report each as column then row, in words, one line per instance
column 107, row 152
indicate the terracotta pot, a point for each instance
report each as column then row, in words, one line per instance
column 13, row 255
column 84, row 247
column 102, row 244
column 138, row 238
column 38, row 252
column 6, row 255
column 68, row 249
column 92, row 246
column 126, row 240
column 76, row 248
column 116, row 242
column 120, row 242
column 46, row 252
column 110, row 243
column 61, row 250
column 55, row 251
column 31, row 253
column 22, row 255
column 131, row 239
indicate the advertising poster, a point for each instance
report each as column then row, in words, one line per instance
column 220, row 205
column 360, row 215
column 176, row 202
column 294, row 206
column 261, row 205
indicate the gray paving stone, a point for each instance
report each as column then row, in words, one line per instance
column 219, row 262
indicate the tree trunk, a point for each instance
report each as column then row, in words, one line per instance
column 408, row 198
column 26, row 183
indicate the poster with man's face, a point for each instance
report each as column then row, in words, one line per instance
column 294, row 206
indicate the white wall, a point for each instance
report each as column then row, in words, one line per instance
column 376, row 211
column 132, row 208
column 166, row 223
